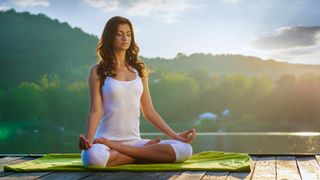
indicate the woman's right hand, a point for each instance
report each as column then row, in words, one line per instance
column 187, row 136
column 84, row 143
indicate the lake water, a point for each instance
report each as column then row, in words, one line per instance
column 252, row 143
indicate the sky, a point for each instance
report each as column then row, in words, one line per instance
column 283, row 30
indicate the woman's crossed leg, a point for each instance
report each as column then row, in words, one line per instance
column 117, row 158
column 151, row 152
column 166, row 151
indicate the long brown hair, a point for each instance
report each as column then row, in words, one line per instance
column 105, row 52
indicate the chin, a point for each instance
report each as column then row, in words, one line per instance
column 122, row 49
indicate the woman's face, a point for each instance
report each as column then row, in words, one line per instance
column 122, row 40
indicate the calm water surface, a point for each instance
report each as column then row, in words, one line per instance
column 252, row 143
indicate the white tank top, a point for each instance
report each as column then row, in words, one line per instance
column 121, row 109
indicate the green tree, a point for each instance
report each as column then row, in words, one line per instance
column 173, row 97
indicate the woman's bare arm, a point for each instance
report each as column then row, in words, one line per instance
column 151, row 115
column 95, row 111
column 155, row 119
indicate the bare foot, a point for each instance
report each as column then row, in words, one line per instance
column 153, row 141
column 111, row 144
column 101, row 141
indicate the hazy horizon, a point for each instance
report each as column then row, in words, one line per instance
column 286, row 31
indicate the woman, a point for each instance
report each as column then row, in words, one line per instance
column 118, row 89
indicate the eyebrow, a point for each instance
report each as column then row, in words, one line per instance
column 123, row 31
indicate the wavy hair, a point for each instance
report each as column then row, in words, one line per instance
column 105, row 51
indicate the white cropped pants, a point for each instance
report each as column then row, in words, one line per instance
column 98, row 154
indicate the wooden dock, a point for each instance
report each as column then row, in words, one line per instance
column 305, row 167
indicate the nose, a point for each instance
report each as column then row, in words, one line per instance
column 124, row 37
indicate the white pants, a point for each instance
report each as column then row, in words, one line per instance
column 98, row 154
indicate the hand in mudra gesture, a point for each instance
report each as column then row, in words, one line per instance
column 187, row 136
column 84, row 143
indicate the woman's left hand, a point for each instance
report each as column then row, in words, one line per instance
column 187, row 136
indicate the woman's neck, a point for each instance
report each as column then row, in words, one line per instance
column 121, row 59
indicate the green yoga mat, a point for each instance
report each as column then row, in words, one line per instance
column 204, row 161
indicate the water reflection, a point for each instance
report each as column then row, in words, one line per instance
column 30, row 142
column 257, row 142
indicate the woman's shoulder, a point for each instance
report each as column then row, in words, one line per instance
column 94, row 67
column 94, row 70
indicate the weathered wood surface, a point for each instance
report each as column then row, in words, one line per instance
column 287, row 168
column 265, row 168
column 262, row 167
column 309, row 167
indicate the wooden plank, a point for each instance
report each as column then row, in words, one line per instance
column 21, row 160
column 12, row 175
column 215, row 175
column 169, row 175
column 103, row 175
column 66, row 175
column 5, row 160
column 318, row 159
column 190, row 175
column 123, row 175
column 27, row 175
column 287, row 168
column 265, row 168
column 14, row 160
column 308, row 167
column 144, row 175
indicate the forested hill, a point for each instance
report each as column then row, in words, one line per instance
column 32, row 45
column 231, row 64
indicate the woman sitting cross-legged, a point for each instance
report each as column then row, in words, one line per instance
column 118, row 89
